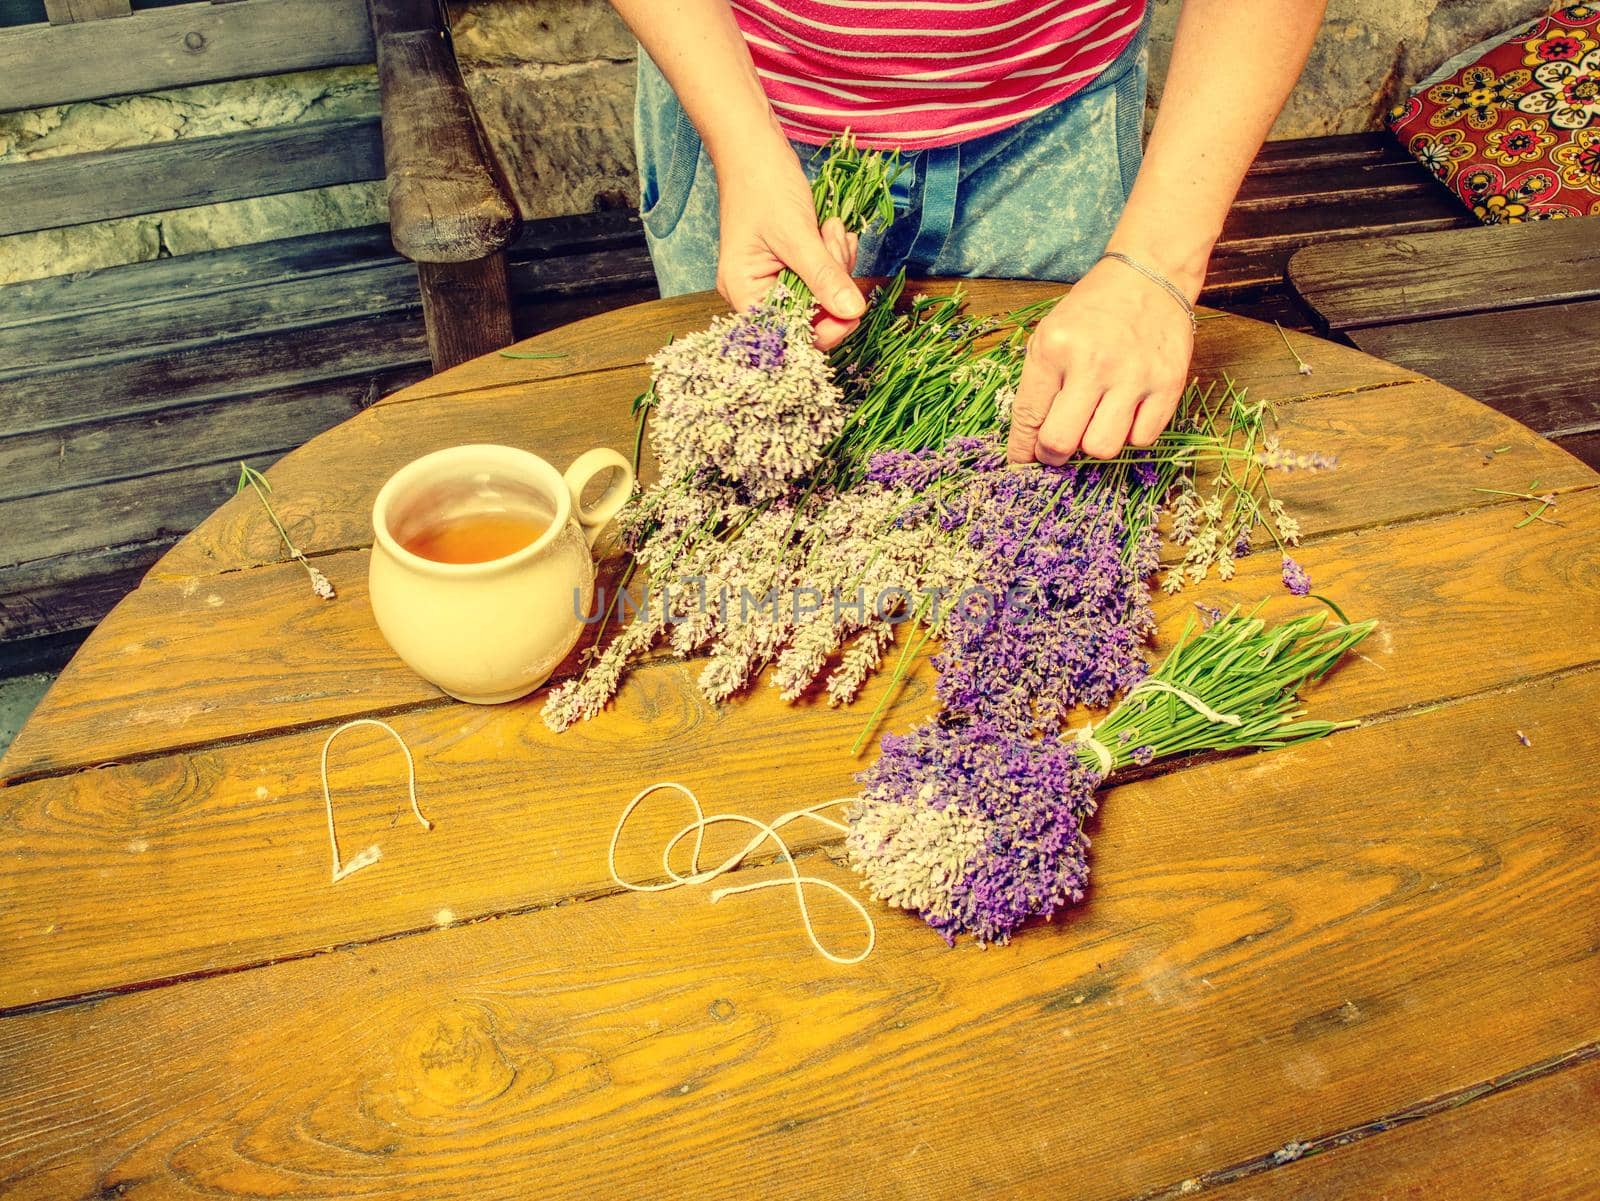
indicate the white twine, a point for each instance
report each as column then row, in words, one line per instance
column 372, row 854
column 1188, row 698
column 1100, row 750
column 764, row 832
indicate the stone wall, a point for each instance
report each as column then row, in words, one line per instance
column 553, row 83
column 187, row 113
column 1366, row 55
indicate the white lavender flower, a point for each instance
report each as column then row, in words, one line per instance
column 750, row 397
column 911, row 855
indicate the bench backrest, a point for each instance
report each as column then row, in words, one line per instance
column 100, row 49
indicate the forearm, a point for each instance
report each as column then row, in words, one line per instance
column 1234, row 63
column 703, row 55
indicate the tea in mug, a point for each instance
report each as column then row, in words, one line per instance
column 477, row 523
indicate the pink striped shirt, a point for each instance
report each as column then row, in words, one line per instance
column 921, row 73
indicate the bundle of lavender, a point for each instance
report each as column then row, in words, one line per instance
column 976, row 823
column 809, row 506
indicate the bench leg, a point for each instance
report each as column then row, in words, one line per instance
column 467, row 308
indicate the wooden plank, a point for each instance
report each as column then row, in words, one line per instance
column 206, row 273
column 79, row 188
column 327, row 663
column 226, row 316
column 1247, row 231
column 1535, row 364
column 292, row 653
column 128, row 447
column 175, row 47
column 237, row 368
column 1537, row 1139
column 68, row 12
column 1292, row 155
column 1274, row 945
column 561, row 417
column 48, row 653
column 446, row 202
column 1585, row 447
column 162, row 325
column 156, row 505
column 467, row 307
column 1410, row 277
column 1248, row 263
column 1400, row 184
column 72, row 592
column 589, row 235
column 626, row 337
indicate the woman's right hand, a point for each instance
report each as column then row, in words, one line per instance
column 769, row 222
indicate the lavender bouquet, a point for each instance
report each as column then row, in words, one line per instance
column 976, row 824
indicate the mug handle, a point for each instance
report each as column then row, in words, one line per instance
column 582, row 473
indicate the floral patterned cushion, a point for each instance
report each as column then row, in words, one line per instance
column 1513, row 126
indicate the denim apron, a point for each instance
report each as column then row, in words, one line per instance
column 1038, row 200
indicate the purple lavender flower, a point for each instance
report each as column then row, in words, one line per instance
column 974, row 826
column 757, row 336
column 1295, row 577
column 1073, row 610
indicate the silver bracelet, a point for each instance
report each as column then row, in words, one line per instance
column 1161, row 281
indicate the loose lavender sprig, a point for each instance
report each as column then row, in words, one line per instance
column 249, row 477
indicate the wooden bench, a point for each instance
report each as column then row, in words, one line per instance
column 1509, row 314
column 132, row 392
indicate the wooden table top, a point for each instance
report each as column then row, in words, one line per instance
column 1364, row 967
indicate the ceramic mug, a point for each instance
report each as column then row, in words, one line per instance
column 492, row 631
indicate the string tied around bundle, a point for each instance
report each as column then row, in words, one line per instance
column 765, row 832
column 1188, row 698
column 372, row 854
column 1101, row 752
column 1107, row 761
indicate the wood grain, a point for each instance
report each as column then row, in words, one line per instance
column 132, row 691
column 115, row 448
column 1440, row 437
column 1584, row 447
column 1537, row 1139
column 173, row 47
column 162, row 503
column 42, row 355
column 177, row 320
column 1381, row 280
column 80, row 188
column 446, row 203
column 1245, row 973
column 66, row 12
column 287, row 649
column 71, row 592
column 39, row 302
column 467, row 307
column 1530, row 363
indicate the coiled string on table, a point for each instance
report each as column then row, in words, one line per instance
column 765, row 831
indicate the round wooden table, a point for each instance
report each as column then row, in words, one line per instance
column 1364, row 967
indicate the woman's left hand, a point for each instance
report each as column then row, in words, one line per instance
column 1105, row 368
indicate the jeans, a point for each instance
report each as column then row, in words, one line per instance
column 1036, row 201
